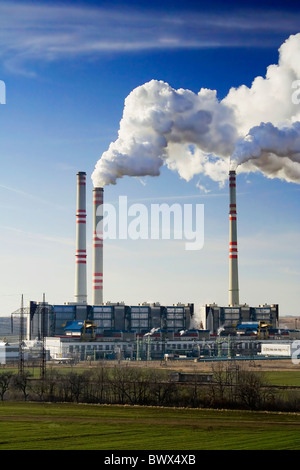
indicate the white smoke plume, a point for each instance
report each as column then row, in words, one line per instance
column 267, row 139
column 257, row 128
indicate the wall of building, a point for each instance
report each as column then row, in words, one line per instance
column 214, row 317
column 110, row 317
column 8, row 353
column 147, row 348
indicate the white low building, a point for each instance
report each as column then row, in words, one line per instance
column 8, row 352
column 276, row 349
column 61, row 349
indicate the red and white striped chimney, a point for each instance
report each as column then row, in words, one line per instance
column 233, row 248
column 80, row 255
column 97, row 246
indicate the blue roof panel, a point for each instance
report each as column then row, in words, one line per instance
column 74, row 325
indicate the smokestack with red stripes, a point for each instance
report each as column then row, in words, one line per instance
column 80, row 255
column 233, row 248
column 97, row 246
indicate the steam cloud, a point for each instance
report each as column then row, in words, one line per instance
column 256, row 128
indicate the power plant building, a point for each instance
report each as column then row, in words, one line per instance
column 170, row 328
column 215, row 317
column 107, row 318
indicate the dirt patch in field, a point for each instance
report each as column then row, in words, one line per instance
column 203, row 366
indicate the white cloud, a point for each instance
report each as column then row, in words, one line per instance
column 51, row 32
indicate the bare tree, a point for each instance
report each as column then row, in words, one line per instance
column 21, row 382
column 77, row 384
column 218, row 387
column 161, row 388
column 5, row 379
column 252, row 389
column 101, row 385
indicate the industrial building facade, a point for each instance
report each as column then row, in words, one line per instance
column 179, row 347
column 214, row 317
column 107, row 319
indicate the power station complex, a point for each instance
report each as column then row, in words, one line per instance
column 99, row 329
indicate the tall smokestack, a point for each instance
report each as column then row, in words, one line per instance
column 97, row 246
column 233, row 249
column 80, row 255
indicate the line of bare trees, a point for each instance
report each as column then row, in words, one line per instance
column 232, row 387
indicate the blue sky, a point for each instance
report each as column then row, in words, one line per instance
column 68, row 67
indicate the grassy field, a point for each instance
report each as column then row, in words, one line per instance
column 40, row 426
column 284, row 377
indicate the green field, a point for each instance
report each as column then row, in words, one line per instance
column 283, row 377
column 40, row 426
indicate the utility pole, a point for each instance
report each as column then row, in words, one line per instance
column 148, row 348
column 43, row 358
column 21, row 339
